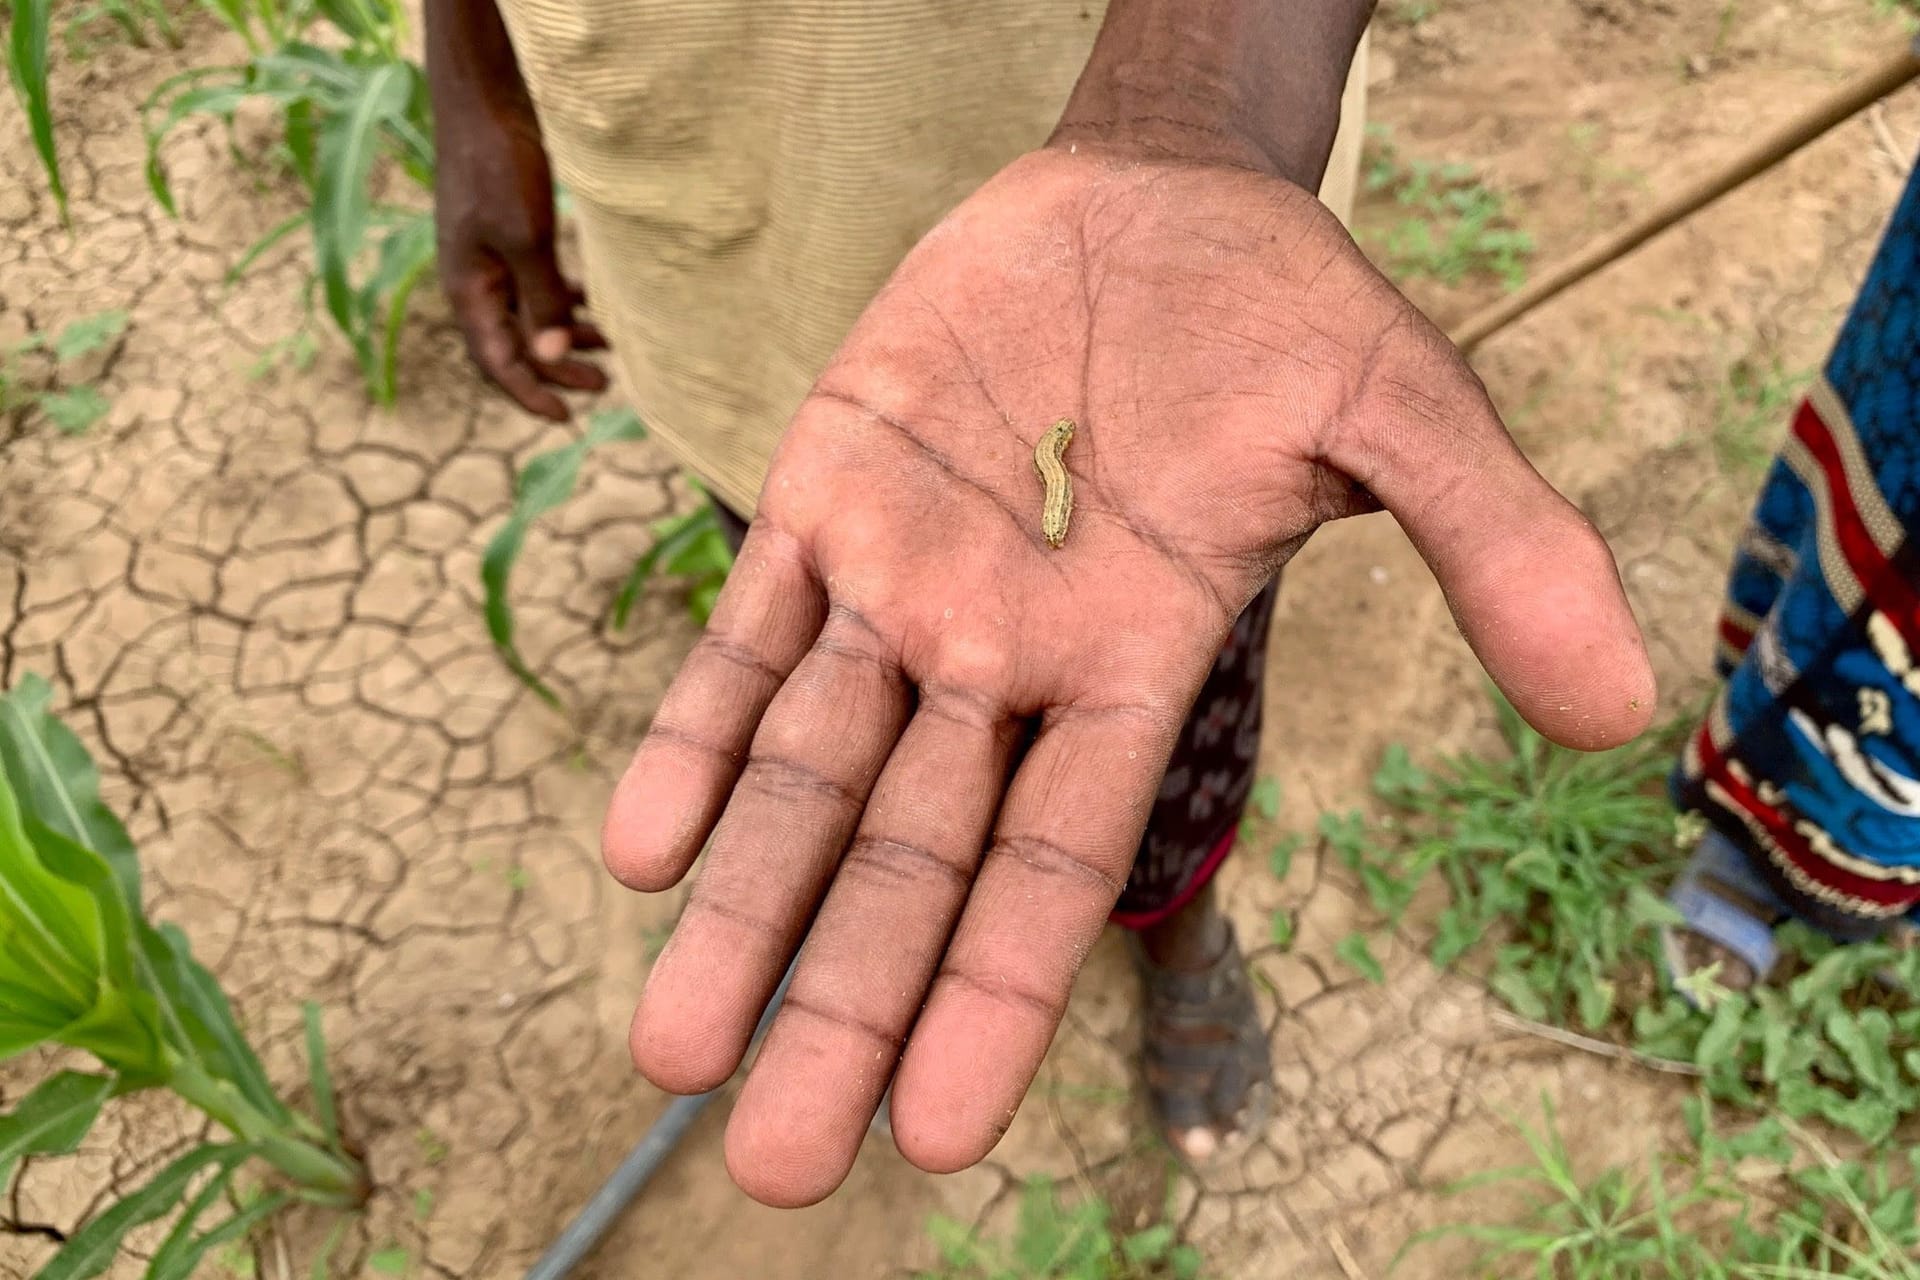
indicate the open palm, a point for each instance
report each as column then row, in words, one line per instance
column 919, row 732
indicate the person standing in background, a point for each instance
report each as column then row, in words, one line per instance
column 854, row 262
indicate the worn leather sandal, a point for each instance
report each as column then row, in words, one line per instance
column 1209, row 1068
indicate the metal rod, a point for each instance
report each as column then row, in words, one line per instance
column 1842, row 104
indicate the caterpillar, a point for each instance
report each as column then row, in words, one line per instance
column 1047, row 455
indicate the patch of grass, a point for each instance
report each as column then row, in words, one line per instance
column 37, row 374
column 1752, row 408
column 1055, row 1241
column 1771, row 1202
column 1559, row 857
column 1452, row 225
column 1555, row 863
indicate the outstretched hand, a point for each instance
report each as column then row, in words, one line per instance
column 927, row 743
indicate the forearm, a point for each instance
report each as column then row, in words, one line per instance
column 1248, row 82
column 470, row 59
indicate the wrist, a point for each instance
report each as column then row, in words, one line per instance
column 1238, row 82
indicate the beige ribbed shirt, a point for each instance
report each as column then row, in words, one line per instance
column 746, row 174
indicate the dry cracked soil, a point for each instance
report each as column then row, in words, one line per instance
column 258, row 599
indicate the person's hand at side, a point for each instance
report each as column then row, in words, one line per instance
column 924, row 740
column 494, row 215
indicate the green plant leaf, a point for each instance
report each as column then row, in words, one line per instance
column 1149, row 1245
column 75, row 409
column 390, row 1261
column 90, row 1249
column 1280, row 858
column 1282, row 928
column 27, row 68
column 342, row 203
column 671, row 536
column 406, row 254
column 182, row 1264
column 318, row 1077
column 1264, row 798
column 88, row 334
column 180, row 1237
column 546, row 482
column 273, row 236
column 51, row 1120
column 196, row 98
column 48, row 767
column 1357, row 955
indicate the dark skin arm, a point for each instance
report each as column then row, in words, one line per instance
column 845, row 739
column 493, row 208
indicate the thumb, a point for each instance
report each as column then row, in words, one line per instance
column 1531, row 583
column 546, row 303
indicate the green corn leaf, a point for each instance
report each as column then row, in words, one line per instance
column 88, row 334
column 185, row 1261
column 235, row 15
column 91, row 1249
column 48, row 767
column 180, row 1239
column 27, row 68
column 406, row 254
column 299, row 137
column 701, row 600
column 214, row 1033
column 217, row 100
column 51, row 1120
column 75, row 409
column 54, row 944
column 342, row 205
column 672, row 535
column 278, row 232
column 318, row 1077
column 546, row 482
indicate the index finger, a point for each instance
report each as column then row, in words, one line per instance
column 1061, row 852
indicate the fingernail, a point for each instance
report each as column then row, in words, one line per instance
column 550, row 345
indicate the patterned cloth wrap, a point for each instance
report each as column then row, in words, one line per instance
column 1809, row 759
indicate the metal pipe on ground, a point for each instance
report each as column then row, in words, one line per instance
column 581, row 1236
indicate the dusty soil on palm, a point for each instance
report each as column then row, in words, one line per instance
column 258, row 598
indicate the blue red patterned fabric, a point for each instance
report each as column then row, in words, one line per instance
column 1810, row 756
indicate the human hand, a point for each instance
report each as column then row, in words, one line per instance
column 494, row 217
column 852, row 730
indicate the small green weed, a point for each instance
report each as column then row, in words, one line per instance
column 1556, row 858
column 1453, row 225
column 1751, row 411
column 1555, row 862
column 1052, row 1241
column 34, row 374
column 1831, row 1043
column 1410, row 13
column 1771, row 1202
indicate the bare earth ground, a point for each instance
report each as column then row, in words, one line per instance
column 259, row 601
